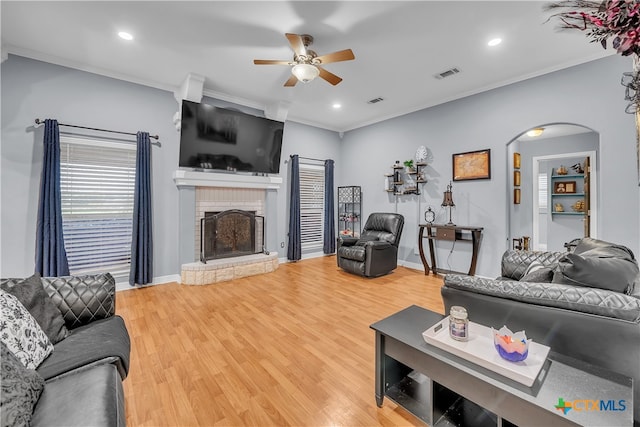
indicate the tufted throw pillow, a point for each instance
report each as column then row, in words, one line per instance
column 536, row 272
column 20, row 332
column 541, row 275
column 21, row 389
column 34, row 298
column 612, row 268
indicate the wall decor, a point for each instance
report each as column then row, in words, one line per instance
column 516, row 178
column 563, row 187
column 516, row 196
column 516, row 160
column 472, row 165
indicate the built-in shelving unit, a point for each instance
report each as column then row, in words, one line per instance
column 575, row 182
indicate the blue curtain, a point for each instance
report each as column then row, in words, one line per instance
column 329, row 244
column 142, row 239
column 51, row 257
column 294, row 251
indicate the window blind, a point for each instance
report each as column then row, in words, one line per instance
column 311, row 206
column 97, row 180
column 543, row 191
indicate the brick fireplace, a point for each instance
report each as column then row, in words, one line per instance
column 202, row 192
column 216, row 200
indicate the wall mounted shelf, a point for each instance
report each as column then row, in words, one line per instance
column 402, row 182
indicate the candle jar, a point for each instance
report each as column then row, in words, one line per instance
column 458, row 323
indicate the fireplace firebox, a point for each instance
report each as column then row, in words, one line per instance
column 230, row 233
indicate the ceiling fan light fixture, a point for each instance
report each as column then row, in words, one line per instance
column 305, row 72
column 535, row 132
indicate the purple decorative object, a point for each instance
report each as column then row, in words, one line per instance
column 511, row 357
column 510, row 346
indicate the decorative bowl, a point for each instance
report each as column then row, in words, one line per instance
column 510, row 346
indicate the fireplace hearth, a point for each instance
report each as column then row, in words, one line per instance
column 230, row 233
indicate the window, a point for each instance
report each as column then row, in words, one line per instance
column 543, row 201
column 97, row 180
column 311, row 206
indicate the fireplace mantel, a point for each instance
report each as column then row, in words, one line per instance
column 186, row 178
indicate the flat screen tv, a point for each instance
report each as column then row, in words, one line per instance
column 223, row 139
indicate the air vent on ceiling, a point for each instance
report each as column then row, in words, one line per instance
column 375, row 100
column 448, row 73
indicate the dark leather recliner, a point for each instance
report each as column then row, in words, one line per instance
column 375, row 252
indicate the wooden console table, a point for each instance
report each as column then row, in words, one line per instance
column 452, row 233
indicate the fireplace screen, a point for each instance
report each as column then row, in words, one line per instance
column 230, row 233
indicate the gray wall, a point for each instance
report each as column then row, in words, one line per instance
column 33, row 89
column 589, row 95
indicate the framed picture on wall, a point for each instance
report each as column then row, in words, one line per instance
column 472, row 165
column 516, row 160
column 516, row 196
column 516, row 178
column 563, row 187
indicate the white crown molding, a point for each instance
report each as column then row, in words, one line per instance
column 40, row 56
column 235, row 99
column 552, row 69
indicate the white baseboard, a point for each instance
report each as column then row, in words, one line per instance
column 411, row 265
column 160, row 280
column 305, row 256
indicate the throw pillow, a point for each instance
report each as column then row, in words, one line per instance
column 34, row 298
column 533, row 267
column 609, row 268
column 587, row 244
column 20, row 332
column 541, row 275
column 635, row 288
column 21, row 389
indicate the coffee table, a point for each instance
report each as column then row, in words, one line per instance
column 443, row 389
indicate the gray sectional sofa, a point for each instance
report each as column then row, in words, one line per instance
column 584, row 304
column 83, row 375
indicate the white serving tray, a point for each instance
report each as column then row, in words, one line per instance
column 480, row 350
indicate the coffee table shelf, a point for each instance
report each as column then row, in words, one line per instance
column 443, row 389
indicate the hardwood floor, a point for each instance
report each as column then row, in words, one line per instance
column 292, row 347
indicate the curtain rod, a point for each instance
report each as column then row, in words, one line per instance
column 39, row 122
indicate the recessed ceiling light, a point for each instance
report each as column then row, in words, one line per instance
column 494, row 42
column 124, row 35
column 337, row 106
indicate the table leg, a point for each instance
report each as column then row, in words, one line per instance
column 476, row 237
column 432, row 251
column 421, row 250
column 379, row 383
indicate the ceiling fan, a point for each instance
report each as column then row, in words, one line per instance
column 306, row 64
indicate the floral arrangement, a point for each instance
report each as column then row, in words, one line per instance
column 618, row 20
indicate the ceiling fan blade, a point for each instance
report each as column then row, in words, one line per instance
column 270, row 62
column 328, row 76
column 342, row 55
column 296, row 44
column 291, row 82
